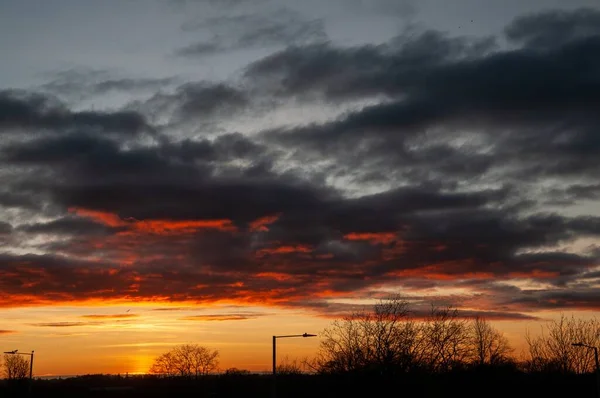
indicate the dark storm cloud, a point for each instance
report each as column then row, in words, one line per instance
column 77, row 158
column 583, row 299
column 5, row 228
column 204, row 99
column 522, row 113
column 197, row 179
column 347, row 72
column 397, row 232
column 197, row 102
column 468, row 146
column 255, row 30
column 10, row 199
column 571, row 193
column 33, row 111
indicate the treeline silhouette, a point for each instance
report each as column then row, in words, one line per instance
column 388, row 351
column 477, row 382
column 393, row 339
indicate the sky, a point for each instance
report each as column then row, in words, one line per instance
column 218, row 172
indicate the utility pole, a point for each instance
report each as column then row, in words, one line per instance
column 31, row 374
column 16, row 352
column 274, row 381
column 597, row 363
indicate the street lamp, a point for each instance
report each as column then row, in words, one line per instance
column 275, row 356
column 16, row 352
column 597, row 364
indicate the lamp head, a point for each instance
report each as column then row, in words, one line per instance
column 309, row 335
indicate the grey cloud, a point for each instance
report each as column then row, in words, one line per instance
column 21, row 110
column 67, row 226
column 197, row 102
column 547, row 29
column 256, row 30
column 202, row 48
column 522, row 109
column 582, row 299
column 82, row 83
column 339, row 73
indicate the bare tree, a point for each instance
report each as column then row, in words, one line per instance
column 339, row 350
column 446, row 338
column 553, row 348
column 237, row 372
column 289, row 366
column 383, row 340
column 388, row 340
column 15, row 367
column 489, row 345
column 187, row 360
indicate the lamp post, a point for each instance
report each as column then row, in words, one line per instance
column 274, row 391
column 16, row 352
column 596, row 362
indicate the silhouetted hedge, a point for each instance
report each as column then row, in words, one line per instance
column 477, row 382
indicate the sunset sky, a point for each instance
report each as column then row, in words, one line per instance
column 220, row 171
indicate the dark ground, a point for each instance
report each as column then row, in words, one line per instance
column 461, row 384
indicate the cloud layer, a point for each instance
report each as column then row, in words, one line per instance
column 452, row 179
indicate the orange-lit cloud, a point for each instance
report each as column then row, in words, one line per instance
column 157, row 227
column 373, row 237
column 279, row 276
column 261, row 225
column 112, row 220
column 534, row 274
column 285, row 250
column 3, row 331
column 438, row 272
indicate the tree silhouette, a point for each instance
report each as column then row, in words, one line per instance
column 387, row 341
column 446, row 339
column 490, row 346
column 383, row 340
column 553, row 348
column 15, row 367
column 187, row 360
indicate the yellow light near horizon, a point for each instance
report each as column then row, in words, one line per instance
column 141, row 364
